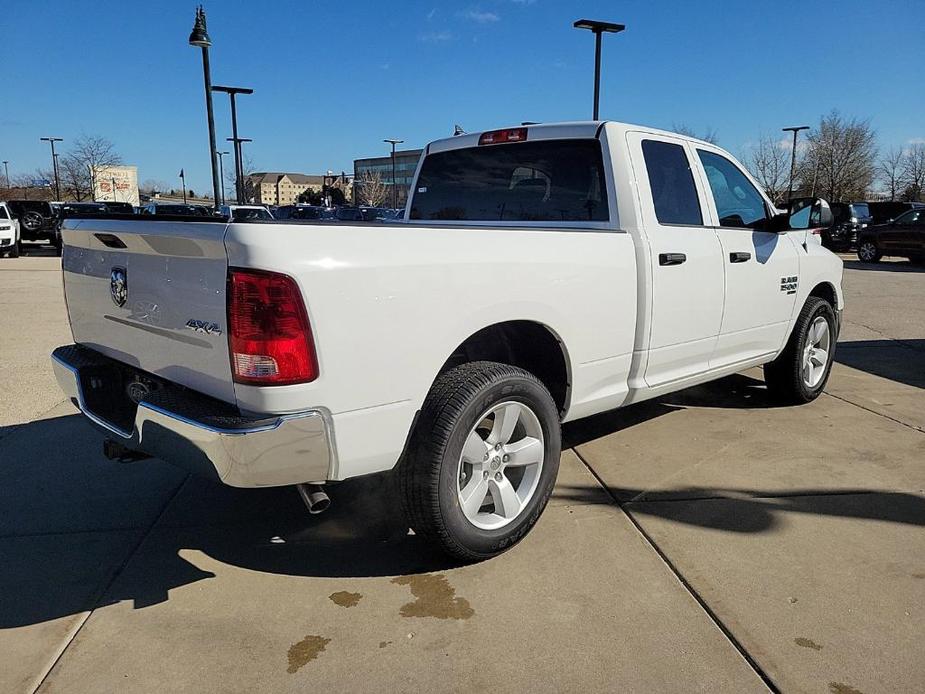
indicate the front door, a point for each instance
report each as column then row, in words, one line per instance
column 685, row 262
column 908, row 232
column 762, row 268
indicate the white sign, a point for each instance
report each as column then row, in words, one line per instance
column 115, row 183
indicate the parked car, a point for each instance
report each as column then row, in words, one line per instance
column 172, row 208
column 887, row 211
column 9, row 232
column 244, row 213
column 848, row 219
column 375, row 214
column 346, row 213
column 311, row 212
column 545, row 273
column 903, row 237
column 118, row 207
column 38, row 221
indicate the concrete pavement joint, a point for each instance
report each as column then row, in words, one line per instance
column 755, row 666
column 118, row 572
column 879, row 414
column 16, row 427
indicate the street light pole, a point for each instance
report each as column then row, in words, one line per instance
column 232, row 92
column 598, row 28
column 394, row 188
column 54, row 162
column 221, row 172
column 6, row 170
column 793, row 156
column 239, row 174
column 200, row 37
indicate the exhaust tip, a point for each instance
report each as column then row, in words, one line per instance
column 315, row 498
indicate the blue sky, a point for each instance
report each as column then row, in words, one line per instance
column 333, row 79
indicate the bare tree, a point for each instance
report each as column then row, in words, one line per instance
column 370, row 189
column 769, row 162
column 913, row 172
column 87, row 154
column 152, row 185
column 840, row 158
column 709, row 135
column 890, row 171
column 250, row 188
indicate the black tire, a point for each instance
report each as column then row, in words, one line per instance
column 428, row 472
column 784, row 375
column 31, row 221
column 14, row 251
column 868, row 252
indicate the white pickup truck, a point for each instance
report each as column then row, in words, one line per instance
column 540, row 274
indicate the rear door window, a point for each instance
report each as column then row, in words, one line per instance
column 672, row 183
column 540, row 181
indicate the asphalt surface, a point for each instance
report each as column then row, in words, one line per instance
column 709, row 541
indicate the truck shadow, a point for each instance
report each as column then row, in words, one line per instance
column 79, row 532
column 902, row 361
column 886, row 265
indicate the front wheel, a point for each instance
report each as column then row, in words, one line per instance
column 801, row 371
column 14, row 251
column 868, row 252
column 482, row 461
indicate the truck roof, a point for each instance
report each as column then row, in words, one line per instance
column 550, row 131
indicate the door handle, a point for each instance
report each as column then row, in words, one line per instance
column 671, row 258
column 739, row 257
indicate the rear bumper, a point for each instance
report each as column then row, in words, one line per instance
column 198, row 433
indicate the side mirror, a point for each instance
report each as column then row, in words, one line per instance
column 804, row 213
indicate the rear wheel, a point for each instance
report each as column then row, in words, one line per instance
column 868, row 252
column 801, row 371
column 482, row 461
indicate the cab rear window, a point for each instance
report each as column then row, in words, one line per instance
column 541, row 181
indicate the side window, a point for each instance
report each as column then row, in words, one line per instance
column 738, row 202
column 672, row 183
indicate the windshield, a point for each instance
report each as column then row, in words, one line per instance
column 546, row 180
column 859, row 210
column 242, row 214
column 3, row 213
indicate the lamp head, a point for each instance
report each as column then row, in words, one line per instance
column 199, row 36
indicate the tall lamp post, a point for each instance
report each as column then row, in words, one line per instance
column 239, row 171
column 6, row 170
column 793, row 156
column 200, row 37
column 54, row 162
column 221, row 172
column 394, row 188
column 598, row 28
column 232, row 92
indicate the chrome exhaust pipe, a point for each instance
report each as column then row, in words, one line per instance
column 315, row 498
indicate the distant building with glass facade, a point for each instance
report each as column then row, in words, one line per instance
column 406, row 163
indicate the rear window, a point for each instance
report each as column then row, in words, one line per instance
column 859, row 210
column 243, row 214
column 674, row 194
column 542, row 181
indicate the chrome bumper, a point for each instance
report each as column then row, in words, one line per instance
column 202, row 435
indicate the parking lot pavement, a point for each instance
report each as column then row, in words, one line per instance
column 708, row 541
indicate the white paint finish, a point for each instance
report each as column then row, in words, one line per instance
column 389, row 303
column 686, row 305
column 9, row 228
column 176, row 272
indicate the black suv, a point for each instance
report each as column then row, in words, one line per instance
column 848, row 219
column 887, row 211
column 38, row 221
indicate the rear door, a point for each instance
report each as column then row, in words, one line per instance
column 685, row 259
column 907, row 232
column 761, row 267
column 151, row 294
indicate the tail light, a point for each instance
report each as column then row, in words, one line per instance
column 496, row 137
column 268, row 330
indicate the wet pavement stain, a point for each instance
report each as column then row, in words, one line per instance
column 304, row 651
column 839, row 688
column 345, row 599
column 434, row 597
column 383, row 644
column 918, row 575
column 807, row 643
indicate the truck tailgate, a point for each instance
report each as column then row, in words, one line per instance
column 151, row 294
